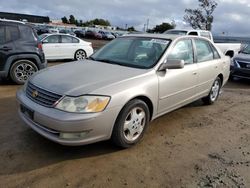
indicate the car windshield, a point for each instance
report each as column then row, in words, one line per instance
column 246, row 50
column 138, row 52
column 176, row 32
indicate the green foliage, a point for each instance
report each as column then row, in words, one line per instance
column 201, row 17
column 64, row 20
column 131, row 29
column 72, row 19
column 161, row 28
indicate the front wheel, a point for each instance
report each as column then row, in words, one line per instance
column 131, row 124
column 21, row 70
column 214, row 92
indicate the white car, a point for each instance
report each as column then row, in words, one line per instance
column 64, row 46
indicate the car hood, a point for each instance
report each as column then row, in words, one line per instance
column 242, row 57
column 79, row 78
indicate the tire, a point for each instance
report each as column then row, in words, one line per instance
column 214, row 92
column 21, row 70
column 131, row 124
column 80, row 55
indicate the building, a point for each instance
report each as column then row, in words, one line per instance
column 24, row 17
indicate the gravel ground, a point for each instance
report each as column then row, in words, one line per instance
column 195, row 146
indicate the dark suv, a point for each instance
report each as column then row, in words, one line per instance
column 21, row 53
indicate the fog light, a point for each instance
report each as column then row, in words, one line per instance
column 73, row 136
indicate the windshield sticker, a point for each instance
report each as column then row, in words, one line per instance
column 159, row 41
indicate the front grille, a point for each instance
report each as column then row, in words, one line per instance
column 41, row 96
column 244, row 65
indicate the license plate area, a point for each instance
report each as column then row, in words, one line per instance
column 28, row 112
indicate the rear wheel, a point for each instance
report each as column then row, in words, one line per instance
column 21, row 70
column 131, row 124
column 214, row 92
column 80, row 55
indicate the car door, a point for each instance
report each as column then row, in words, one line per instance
column 51, row 47
column 178, row 86
column 208, row 61
column 69, row 45
column 8, row 34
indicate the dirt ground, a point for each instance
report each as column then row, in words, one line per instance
column 195, row 146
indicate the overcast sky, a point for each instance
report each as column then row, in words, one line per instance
column 231, row 16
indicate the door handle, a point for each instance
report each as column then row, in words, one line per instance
column 216, row 67
column 194, row 73
column 5, row 48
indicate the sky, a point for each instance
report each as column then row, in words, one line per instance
column 231, row 17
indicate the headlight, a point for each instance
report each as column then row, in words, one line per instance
column 83, row 104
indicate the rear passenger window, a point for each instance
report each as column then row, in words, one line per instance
column 12, row 33
column 2, row 34
column 67, row 39
column 183, row 50
column 216, row 53
column 74, row 40
column 204, row 51
column 27, row 33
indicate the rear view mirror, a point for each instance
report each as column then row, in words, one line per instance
column 172, row 64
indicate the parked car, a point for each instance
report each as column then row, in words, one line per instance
column 240, row 66
column 80, row 33
column 52, row 30
column 21, row 53
column 67, row 31
column 63, row 46
column 93, row 34
column 229, row 49
column 121, row 88
column 106, row 35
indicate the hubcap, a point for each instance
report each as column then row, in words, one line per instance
column 134, row 124
column 80, row 55
column 24, row 71
column 215, row 90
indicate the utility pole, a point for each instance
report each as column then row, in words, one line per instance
column 147, row 24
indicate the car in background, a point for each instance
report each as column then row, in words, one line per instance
column 67, row 31
column 240, row 66
column 93, row 34
column 64, row 46
column 121, row 88
column 106, row 35
column 53, row 30
column 80, row 33
column 21, row 53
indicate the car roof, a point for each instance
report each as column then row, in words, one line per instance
column 164, row 36
column 188, row 30
column 12, row 21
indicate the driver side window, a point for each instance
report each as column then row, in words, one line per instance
column 183, row 50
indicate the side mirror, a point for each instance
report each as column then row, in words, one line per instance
column 172, row 64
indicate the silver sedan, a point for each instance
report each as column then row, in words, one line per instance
column 116, row 92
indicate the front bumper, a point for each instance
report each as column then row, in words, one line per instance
column 239, row 72
column 51, row 123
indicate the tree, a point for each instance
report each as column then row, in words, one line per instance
column 64, row 19
column 131, row 29
column 201, row 17
column 72, row 19
column 161, row 28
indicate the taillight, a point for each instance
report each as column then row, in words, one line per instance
column 90, row 44
column 40, row 46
